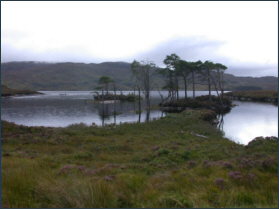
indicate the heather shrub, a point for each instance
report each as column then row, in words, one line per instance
column 219, row 182
column 191, row 164
column 206, row 163
column 227, row 165
column 247, row 164
column 258, row 141
column 270, row 165
column 235, row 175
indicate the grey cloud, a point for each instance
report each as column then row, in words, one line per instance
column 9, row 53
column 194, row 49
column 253, row 70
column 190, row 49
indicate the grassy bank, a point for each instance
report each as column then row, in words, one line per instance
column 176, row 161
column 5, row 91
column 264, row 96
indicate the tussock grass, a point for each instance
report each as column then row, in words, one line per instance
column 162, row 163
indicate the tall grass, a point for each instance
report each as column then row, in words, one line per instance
column 162, row 163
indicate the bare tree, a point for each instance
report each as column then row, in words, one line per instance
column 217, row 79
column 206, row 76
column 220, row 71
column 168, row 77
column 212, row 74
column 136, row 83
column 114, row 104
column 162, row 97
column 144, row 77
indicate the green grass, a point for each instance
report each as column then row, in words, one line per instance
column 162, row 163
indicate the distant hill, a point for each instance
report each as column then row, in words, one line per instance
column 235, row 83
column 62, row 76
column 79, row 76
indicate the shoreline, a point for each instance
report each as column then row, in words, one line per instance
column 8, row 92
column 270, row 96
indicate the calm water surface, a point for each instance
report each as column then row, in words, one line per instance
column 249, row 120
column 62, row 108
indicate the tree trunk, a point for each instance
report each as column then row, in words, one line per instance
column 209, row 85
column 147, row 116
column 222, row 84
column 176, row 86
column 139, row 116
column 193, row 81
column 114, row 111
column 148, row 104
column 103, row 105
column 106, row 87
column 209, row 93
column 139, row 101
column 103, row 93
column 185, row 86
column 218, row 94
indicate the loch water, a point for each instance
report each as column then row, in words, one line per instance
column 248, row 120
column 61, row 108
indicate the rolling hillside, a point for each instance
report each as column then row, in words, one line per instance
column 62, row 76
column 80, row 76
column 249, row 83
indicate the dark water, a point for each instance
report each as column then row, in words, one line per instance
column 62, row 108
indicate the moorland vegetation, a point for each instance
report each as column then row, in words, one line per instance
column 176, row 161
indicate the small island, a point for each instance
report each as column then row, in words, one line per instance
column 202, row 102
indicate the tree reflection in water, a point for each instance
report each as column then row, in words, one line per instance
column 113, row 109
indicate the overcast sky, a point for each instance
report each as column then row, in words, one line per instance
column 241, row 35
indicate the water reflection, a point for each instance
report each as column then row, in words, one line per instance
column 108, row 111
column 62, row 108
column 220, row 118
column 249, row 120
